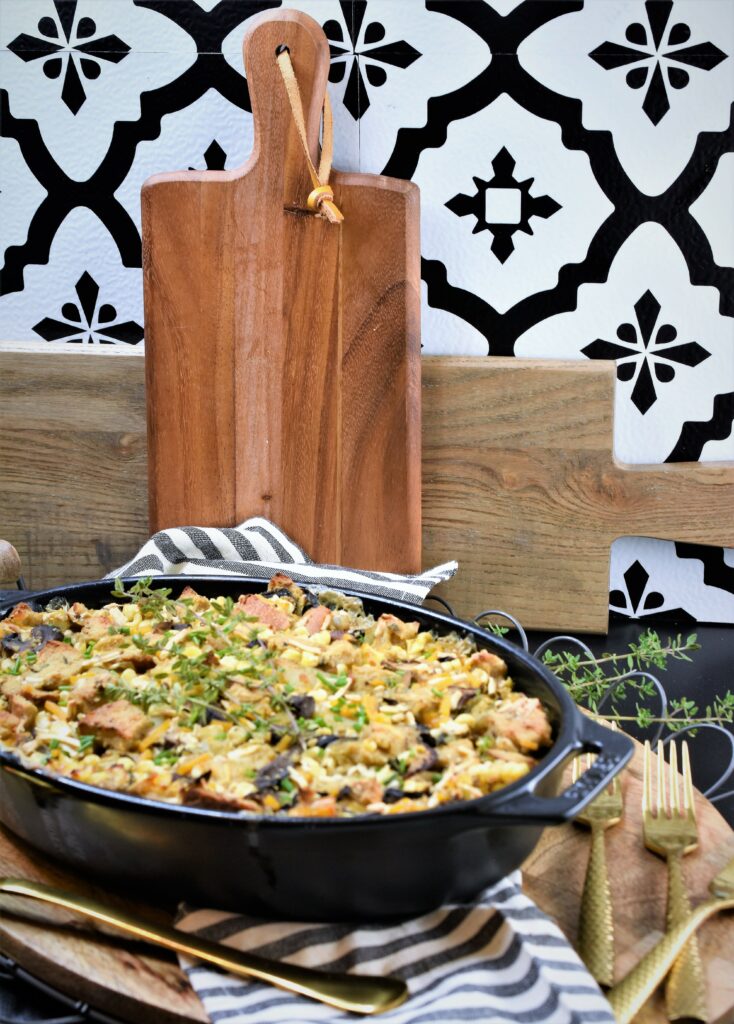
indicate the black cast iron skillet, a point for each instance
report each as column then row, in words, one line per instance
column 370, row 867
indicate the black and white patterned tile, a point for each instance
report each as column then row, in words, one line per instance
column 714, row 211
column 672, row 346
column 501, row 205
column 653, row 74
column 20, row 194
column 82, row 295
column 78, row 69
column 576, row 166
column 650, row 577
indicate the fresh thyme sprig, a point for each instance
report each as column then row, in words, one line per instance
column 589, row 679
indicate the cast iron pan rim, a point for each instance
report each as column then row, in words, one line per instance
column 559, row 751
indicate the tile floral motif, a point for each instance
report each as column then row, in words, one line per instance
column 119, row 106
column 653, row 58
column 685, row 581
column 676, row 350
column 450, row 55
column 503, row 205
column 645, row 346
column 656, row 92
column 214, row 158
column 81, row 244
column 362, row 51
column 67, row 46
column 527, row 155
column 88, row 322
column 637, row 598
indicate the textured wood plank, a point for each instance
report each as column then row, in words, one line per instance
column 133, row 983
column 250, row 295
column 521, row 486
column 519, row 482
column 73, row 475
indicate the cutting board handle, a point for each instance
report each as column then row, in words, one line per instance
column 10, row 568
column 692, row 502
column 286, row 172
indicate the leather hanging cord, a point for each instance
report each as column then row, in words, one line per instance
column 321, row 199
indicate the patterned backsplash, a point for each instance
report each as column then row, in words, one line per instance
column 576, row 167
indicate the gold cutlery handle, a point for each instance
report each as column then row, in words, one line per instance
column 596, row 927
column 629, row 996
column 685, row 989
column 356, row 993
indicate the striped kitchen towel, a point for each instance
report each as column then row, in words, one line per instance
column 259, row 548
column 495, row 961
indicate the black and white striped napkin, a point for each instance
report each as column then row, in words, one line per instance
column 259, row 548
column 499, row 960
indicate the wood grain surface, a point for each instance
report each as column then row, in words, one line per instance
column 146, row 987
column 73, row 475
column 519, row 481
column 283, row 368
column 520, row 484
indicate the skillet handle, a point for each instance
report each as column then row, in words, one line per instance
column 614, row 750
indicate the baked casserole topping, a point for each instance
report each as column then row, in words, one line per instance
column 277, row 703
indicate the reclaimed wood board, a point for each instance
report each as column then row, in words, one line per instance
column 139, row 984
column 519, row 481
column 520, row 484
column 283, row 351
column 73, row 470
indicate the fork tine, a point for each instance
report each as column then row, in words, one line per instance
column 615, row 788
column 673, row 780
column 647, row 780
column 688, row 802
column 662, row 795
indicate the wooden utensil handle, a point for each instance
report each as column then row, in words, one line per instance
column 666, row 502
column 10, row 567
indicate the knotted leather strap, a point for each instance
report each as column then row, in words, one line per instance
column 321, row 199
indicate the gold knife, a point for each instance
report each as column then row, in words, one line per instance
column 356, row 993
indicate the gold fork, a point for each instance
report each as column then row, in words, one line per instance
column 629, row 996
column 596, row 925
column 669, row 827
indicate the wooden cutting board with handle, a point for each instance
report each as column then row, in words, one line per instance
column 283, row 351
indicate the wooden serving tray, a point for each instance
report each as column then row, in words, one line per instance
column 519, row 479
column 139, row 985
